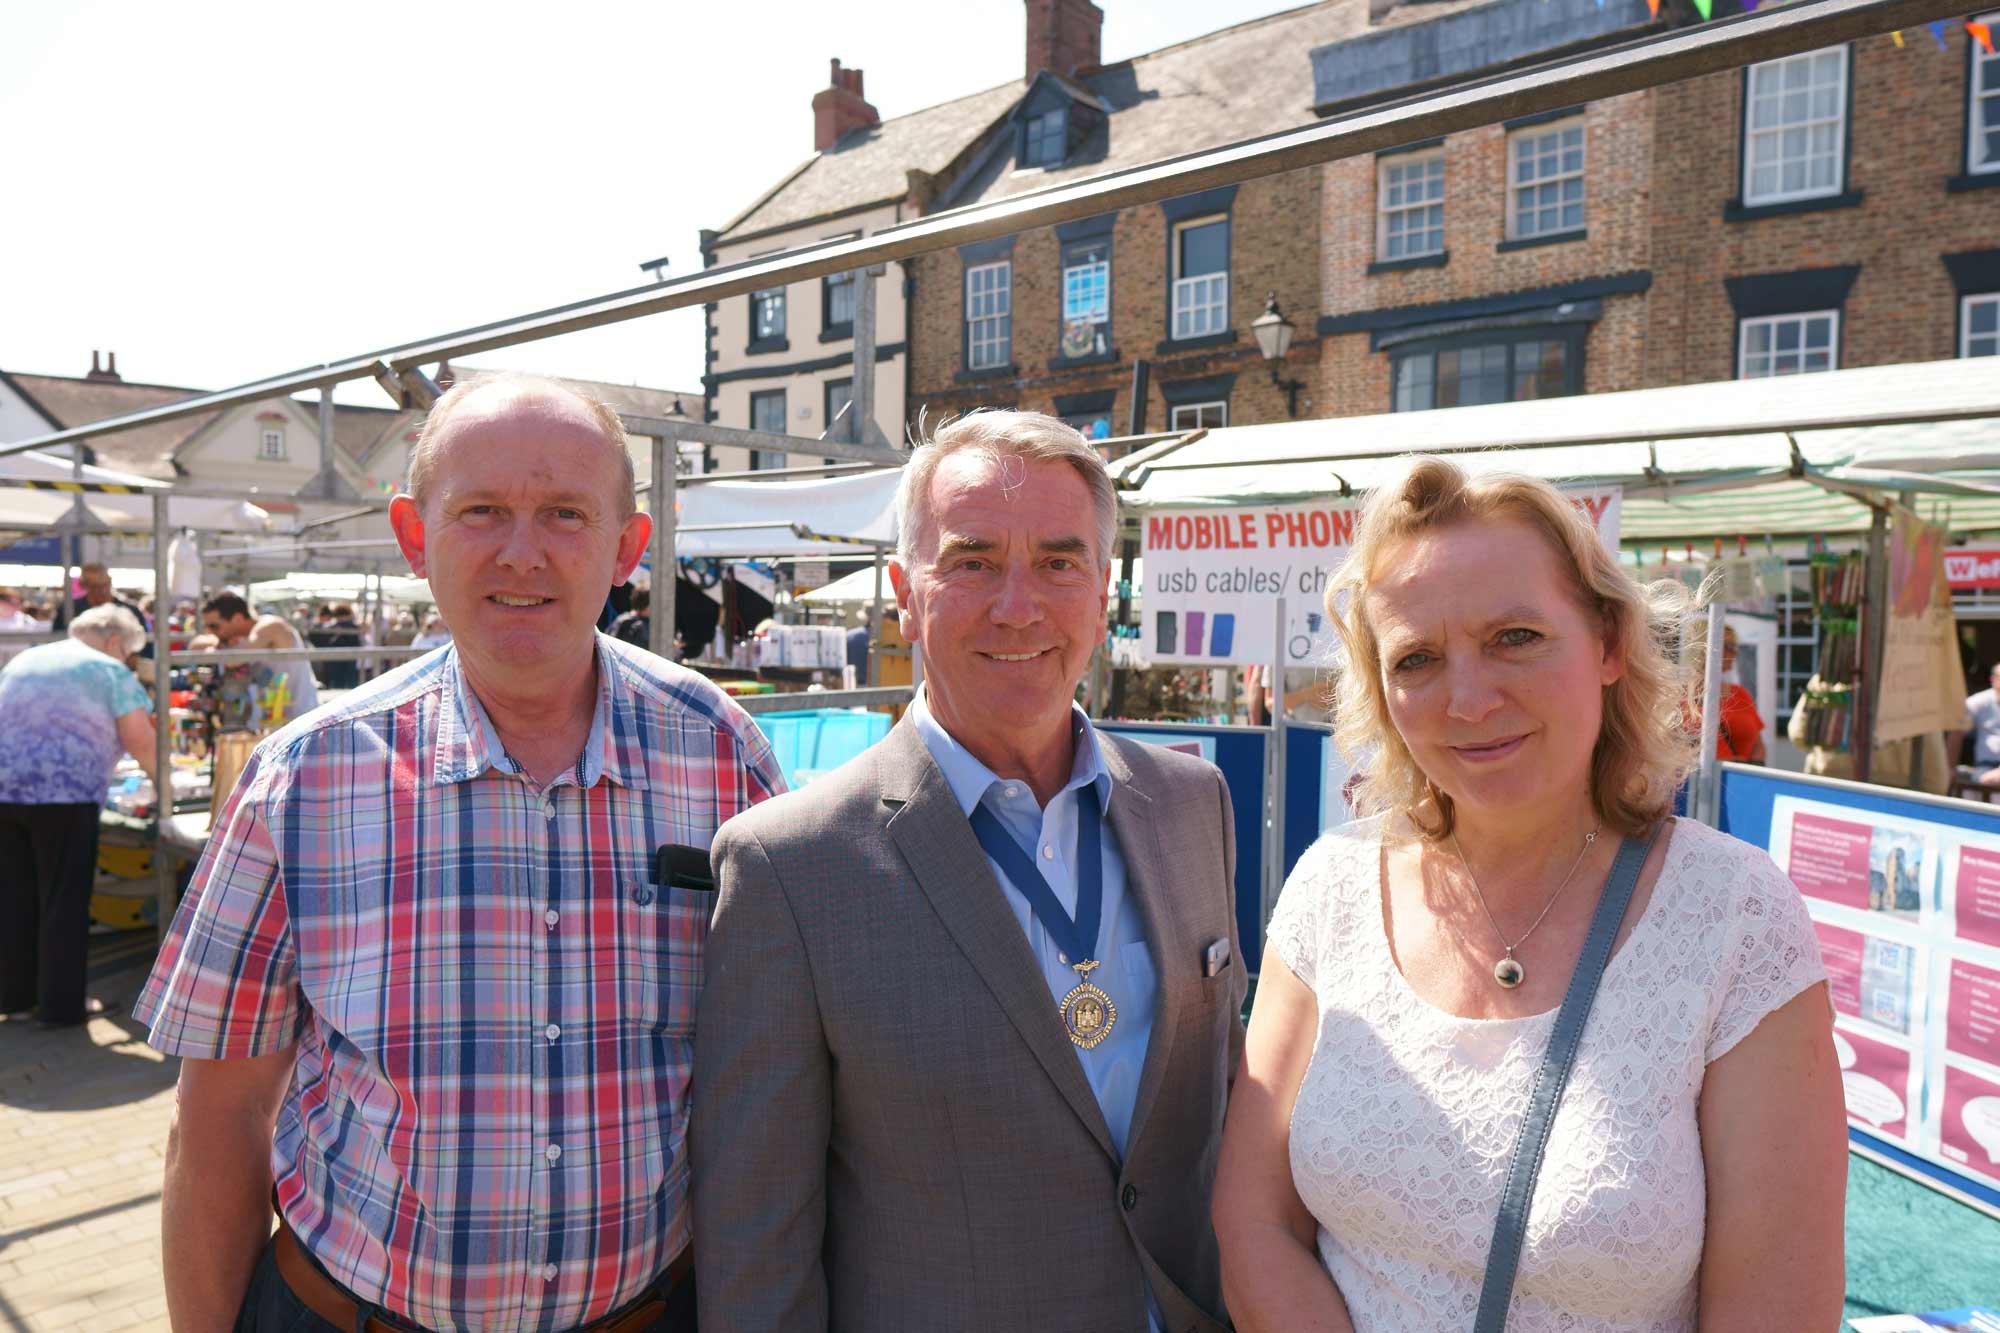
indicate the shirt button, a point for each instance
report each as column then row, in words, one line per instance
column 549, row 809
column 1063, row 958
column 554, row 1151
column 554, row 1031
column 1010, row 791
column 549, row 1273
column 1048, row 852
column 551, row 917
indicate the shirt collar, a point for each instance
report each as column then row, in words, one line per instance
column 970, row 779
column 468, row 745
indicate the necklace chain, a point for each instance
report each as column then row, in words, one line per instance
column 1512, row 945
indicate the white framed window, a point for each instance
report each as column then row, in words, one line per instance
column 989, row 315
column 1545, row 181
column 1409, row 205
column 271, row 444
column 1192, row 416
column 1795, row 127
column 1201, row 278
column 1087, row 285
column 1979, row 325
column 1788, row 344
column 1982, row 115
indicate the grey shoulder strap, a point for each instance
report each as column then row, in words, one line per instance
column 1503, row 1257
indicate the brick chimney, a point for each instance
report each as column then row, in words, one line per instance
column 108, row 372
column 1064, row 36
column 839, row 108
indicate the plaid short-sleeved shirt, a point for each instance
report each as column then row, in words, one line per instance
column 491, row 997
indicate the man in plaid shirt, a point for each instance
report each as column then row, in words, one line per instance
column 433, row 995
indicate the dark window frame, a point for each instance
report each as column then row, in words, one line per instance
column 1807, row 291
column 831, row 329
column 784, row 407
column 779, row 339
column 1575, row 337
column 1971, row 177
column 1053, row 140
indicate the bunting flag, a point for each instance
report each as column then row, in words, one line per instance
column 1937, row 32
column 1897, row 38
column 1983, row 32
column 1653, row 6
column 1705, row 8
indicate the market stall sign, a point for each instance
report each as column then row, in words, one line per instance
column 1213, row 577
column 1969, row 568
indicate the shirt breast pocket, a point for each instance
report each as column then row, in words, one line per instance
column 664, row 932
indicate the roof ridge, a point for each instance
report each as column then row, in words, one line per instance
column 121, row 382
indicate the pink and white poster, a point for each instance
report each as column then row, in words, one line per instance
column 1870, row 978
column 1862, row 863
column 1876, row 1077
column 1969, row 1129
column 1972, row 1012
column 1977, row 895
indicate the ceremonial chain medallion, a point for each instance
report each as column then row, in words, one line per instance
column 1087, row 1012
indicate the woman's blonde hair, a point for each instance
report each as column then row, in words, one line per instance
column 1644, row 748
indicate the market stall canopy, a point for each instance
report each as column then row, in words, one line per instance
column 1711, row 460
column 307, row 586
column 841, row 516
column 850, row 590
column 39, row 511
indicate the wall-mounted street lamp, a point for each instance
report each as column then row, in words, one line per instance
column 1274, row 339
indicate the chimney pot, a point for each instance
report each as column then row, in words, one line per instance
column 111, row 367
column 1064, row 36
column 839, row 108
column 95, row 369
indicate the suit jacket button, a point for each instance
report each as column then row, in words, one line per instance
column 1130, row 1198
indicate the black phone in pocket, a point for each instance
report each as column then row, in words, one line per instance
column 681, row 867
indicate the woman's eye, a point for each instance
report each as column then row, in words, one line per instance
column 1411, row 661
column 1518, row 638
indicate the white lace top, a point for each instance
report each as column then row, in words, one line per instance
column 1406, row 1116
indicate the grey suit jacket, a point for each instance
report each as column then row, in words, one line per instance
column 891, row 1129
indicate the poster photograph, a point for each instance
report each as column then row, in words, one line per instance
column 1871, row 979
column 1878, row 1080
column 1865, row 863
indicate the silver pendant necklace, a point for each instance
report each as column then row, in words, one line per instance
column 1508, row 971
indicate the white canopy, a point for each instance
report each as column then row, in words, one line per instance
column 39, row 511
column 1748, row 482
column 305, row 585
column 756, row 518
column 851, row 589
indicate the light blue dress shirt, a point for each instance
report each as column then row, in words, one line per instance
column 1126, row 962
column 1125, row 970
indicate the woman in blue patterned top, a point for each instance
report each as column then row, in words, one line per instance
column 67, row 710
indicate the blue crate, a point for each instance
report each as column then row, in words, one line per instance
column 811, row 741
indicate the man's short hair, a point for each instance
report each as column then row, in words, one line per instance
column 93, row 570
column 423, row 454
column 12, row 596
column 227, row 605
column 109, row 623
column 1033, row 437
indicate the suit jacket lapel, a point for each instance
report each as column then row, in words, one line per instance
column 1148, row 878
column 937, row 841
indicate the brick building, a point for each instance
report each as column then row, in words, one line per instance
column 1625, row 243
column 1141, row 319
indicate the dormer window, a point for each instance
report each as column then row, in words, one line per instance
column 1045, row 145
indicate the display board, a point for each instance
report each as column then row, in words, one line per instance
column 1239, row 752
column 1904, row 894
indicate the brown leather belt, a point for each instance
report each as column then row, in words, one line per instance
column 327, row 1299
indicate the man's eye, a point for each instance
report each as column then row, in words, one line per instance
column 569, row 515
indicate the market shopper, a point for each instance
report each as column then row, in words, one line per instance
column 431, row 946
column 927, row 1096
column 228, row 617
column 1507, row 681
column 1983, row 712
column 67, row 711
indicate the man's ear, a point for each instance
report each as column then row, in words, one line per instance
column 632, row 539
column 407, row 521
column 899, row 580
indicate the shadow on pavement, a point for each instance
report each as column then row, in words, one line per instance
column 103, row 1063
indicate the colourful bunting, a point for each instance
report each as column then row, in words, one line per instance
column 1983, row 32
column 1705, row 7
column 1897, row 38
column 1937, row 32
column 1653, row 6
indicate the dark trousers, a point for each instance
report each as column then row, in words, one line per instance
column 48, row 863
column 270, row 1307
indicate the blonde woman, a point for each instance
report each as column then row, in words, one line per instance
column 1508, row 694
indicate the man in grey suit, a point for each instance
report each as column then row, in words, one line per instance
column 961, row 1059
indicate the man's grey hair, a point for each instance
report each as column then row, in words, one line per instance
column 423, row 454
column 111, row 625
column 1033, row 437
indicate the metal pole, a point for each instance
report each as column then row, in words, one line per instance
column 1874, row 629
column 875, row 626
column 1705, row 810
column 163, row 719
column 1271, row 880
column 660, row 503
